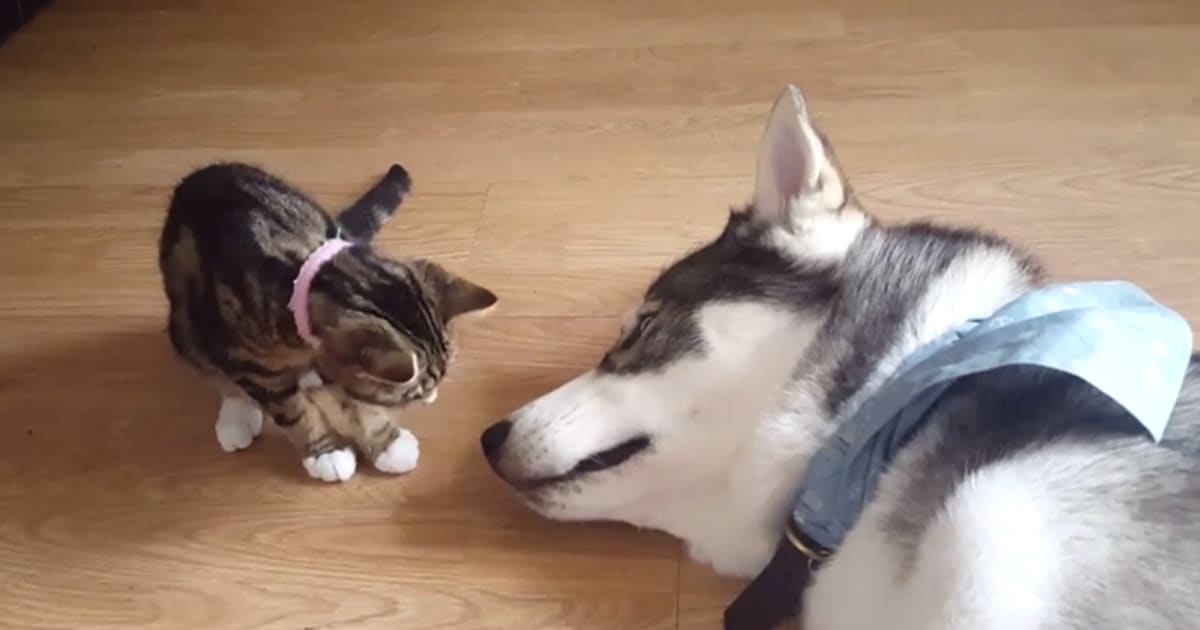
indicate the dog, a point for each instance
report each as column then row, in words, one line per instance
column 1019, row 503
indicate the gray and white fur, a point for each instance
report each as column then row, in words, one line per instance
column 699, row 421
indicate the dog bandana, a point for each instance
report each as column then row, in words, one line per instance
column 1110, row 335
column 302, row 285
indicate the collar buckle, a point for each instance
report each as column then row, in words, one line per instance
column 814, row 553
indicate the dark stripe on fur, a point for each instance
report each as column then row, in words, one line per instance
column 363, row 220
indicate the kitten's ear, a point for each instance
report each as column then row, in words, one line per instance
column 462, row 296
column 457, row 295
column 366, row 344
column 797, row 178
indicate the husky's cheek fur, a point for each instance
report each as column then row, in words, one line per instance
column 684, row 410
column 701, row 418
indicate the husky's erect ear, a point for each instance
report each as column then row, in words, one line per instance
column 798, row 180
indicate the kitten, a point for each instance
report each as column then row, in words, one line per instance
column 293, row 314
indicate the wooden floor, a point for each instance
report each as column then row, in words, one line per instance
column 562, row 152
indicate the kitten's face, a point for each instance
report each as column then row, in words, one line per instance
column 395, row 348
column 366, row 377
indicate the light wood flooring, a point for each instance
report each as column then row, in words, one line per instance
column 562, row 151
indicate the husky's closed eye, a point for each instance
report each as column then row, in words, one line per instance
column 637, row 330
column 627, row 348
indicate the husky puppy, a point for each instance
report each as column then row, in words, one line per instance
column 701, row 418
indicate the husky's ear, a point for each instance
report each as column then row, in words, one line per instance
column 798, row 180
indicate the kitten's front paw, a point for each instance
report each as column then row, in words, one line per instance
column 401, row 455
column 338, row 465
column 238, row 423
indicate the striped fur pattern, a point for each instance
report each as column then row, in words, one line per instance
column 232, row 244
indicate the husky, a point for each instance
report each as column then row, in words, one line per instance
column 701, row 418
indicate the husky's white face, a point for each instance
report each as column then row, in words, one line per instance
column 708, row 352
column 611, row 440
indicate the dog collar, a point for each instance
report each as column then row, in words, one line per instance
column 302, row 286
column 1109, row 335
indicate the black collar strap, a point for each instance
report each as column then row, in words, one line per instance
column 775, row 595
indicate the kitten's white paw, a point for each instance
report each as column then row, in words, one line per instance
column 401, row 455
column 310, row 379
column 238, row 423
column 336, row 465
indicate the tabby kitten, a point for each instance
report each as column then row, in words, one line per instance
column 293, row 314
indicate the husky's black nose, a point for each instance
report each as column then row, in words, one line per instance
column 493, row 438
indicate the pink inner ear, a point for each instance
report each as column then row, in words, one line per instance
column 788, row 164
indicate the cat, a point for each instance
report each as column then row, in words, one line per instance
column 293, row 315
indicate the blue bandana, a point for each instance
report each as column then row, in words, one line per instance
column 1110, row 335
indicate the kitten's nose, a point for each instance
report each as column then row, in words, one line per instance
column 493, row 438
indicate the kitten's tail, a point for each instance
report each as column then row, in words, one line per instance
column 363, row 220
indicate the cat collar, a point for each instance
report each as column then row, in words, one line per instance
column 302, row 286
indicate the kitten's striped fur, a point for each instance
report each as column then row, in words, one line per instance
column 233, row 242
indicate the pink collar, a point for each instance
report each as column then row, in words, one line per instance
column 303, row 284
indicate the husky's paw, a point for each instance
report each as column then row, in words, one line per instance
column 401, row 455
column 238, row 423
column 337, row 465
